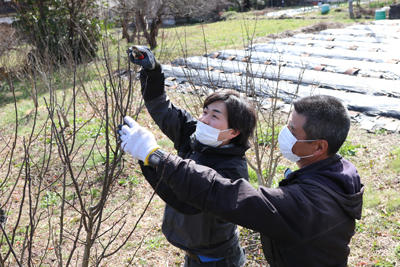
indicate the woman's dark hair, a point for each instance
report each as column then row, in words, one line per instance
column 241, row 114
column 326, row 118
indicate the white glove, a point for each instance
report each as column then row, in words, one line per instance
column 137, row 140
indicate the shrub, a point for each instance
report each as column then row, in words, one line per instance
column 59, row 30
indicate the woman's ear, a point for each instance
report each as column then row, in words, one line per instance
column 228, row 135
column 234, row 133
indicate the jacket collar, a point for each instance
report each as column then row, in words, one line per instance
column 311, row 168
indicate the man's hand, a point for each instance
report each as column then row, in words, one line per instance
column 137, row 140
column 142, row 56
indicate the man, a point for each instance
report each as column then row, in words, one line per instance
column 310, row 218
column 219, row 140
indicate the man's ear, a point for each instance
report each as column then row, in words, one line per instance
column 322, row 147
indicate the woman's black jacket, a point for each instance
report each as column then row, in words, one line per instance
column 184, row 225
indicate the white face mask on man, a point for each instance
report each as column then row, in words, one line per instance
column 208, row 135
column 286, row 142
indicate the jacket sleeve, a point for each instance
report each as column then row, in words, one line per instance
column 165, row 192
column 174, row 122
column 234, row 201
column 168, row 195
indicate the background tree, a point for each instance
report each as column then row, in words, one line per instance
column 148, row 15
column 246, row 5
column 52, row 26
column 351, row 12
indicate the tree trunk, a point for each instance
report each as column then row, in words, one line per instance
column 150, row 33
column 154, row 27
column 246, row 5
column 351, row 12
column 238, row 5
column 125, row 32
column 88, row 244
column 141, row 25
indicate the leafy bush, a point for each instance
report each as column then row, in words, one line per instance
column 60, row 29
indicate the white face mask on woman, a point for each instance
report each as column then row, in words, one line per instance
column 286, row 142
column 208, row 135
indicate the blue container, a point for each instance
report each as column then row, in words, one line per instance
column 380, row 14
column 325, row 9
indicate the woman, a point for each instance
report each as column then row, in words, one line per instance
column 218, row 139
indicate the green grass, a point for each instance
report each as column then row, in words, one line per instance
column 380, row 4
column 395, row 162
column 49, row 199
column 201, row 38
column 397, row 252
column 393, row 200
column 389, row 199
column 348, row 149
column 238, row 33
column 280, row 169
column 253, row 178
column 371, row 198
column 131, row 180
column 155, row 242
column 91, row 129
